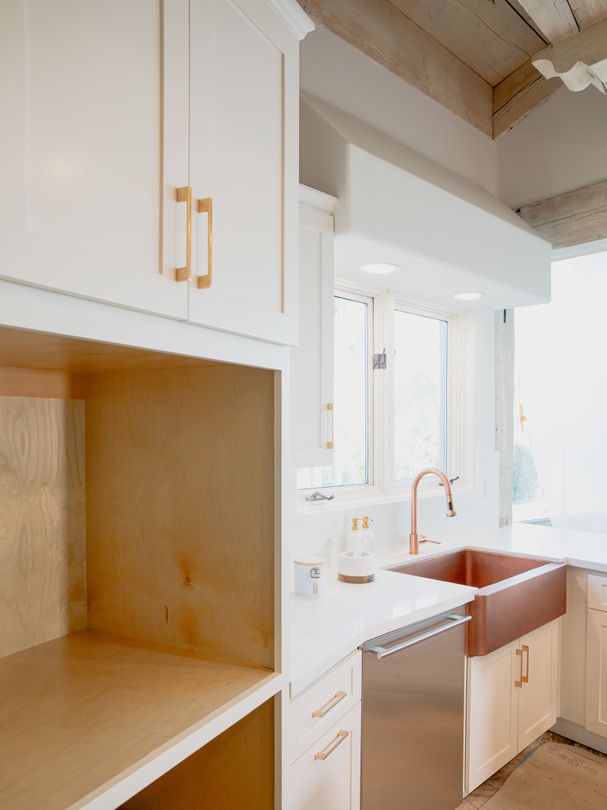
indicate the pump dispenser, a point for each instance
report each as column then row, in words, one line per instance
column 368, row 535
column 355, row 540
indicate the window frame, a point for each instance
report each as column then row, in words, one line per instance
column 382, row 485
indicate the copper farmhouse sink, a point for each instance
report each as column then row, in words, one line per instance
column 516, row 594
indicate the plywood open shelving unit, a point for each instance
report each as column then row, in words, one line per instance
column 137, row 599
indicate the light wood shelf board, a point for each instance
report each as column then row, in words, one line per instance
column 79, row 711
column 21, row 348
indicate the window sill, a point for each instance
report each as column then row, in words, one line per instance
column 371, row 497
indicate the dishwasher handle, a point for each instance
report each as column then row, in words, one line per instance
column 454, row 621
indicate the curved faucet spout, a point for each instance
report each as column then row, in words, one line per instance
column 414, row 537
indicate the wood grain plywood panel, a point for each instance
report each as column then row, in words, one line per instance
column 180, row 509
column 20, row 348
column 42, row 520
column 80, row 712
column 235, row 770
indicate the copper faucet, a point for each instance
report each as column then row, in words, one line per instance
column 414, row 540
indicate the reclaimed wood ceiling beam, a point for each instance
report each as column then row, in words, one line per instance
column 588, row 12
column 518, row 94
column 554, row 18
column 573, row 218
column 381, row 31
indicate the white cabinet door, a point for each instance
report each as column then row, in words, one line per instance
column 538, row 694
column 596, row 673
column 87, row 197
column 312, row 360
column 327, row 775
column 244, row 96
column 492, row 713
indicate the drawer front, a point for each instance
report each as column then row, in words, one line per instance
column 327, row 775
column 325, row 701
column 597, row 592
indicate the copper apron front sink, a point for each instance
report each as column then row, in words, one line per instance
column 516, row 594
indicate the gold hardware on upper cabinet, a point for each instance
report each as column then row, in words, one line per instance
column 339, row 738
column 331, row 704
column 205, row 206
column 524, row 678
column 184, row 194
column 331, row 411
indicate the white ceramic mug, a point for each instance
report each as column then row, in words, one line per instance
column 311, row 576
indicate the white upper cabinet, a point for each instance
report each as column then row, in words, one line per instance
column 244, row 97
column 149, row 156
column 312, row 360
column 85, row 163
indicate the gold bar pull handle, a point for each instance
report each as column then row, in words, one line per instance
column 184, row 194
column 326, row 752
column 331, row 704
column 205, row 206
column 519, row 683
column 525, row 677
column 331, row 412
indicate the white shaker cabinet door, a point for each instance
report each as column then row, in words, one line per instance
column 312, row 360
column 327, row 775
column 492, row 713
column 244, row 97
column 596, row 673
column 538, row 695
column 87, row 197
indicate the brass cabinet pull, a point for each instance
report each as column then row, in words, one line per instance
column 184, row 194
column 205, row 206
column 326, row 752
column 331, row 704
column 331, row 411
column 524, row 678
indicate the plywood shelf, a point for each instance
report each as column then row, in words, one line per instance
column 79, row 712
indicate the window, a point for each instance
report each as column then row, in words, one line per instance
column 351, row 396
column 389, row 422
column 420, row 394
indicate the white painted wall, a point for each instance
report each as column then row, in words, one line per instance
column 440, row 147
column 558, row 147
column 336, row 73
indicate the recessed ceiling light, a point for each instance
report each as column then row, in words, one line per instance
column 379, row 268
column 468, row 296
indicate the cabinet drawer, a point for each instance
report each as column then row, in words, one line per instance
column 325, row 701
column 327, row 775
column 597, row 592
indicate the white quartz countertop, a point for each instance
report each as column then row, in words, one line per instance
column 324, row 630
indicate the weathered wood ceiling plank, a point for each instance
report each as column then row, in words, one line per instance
column 518, row 94
column 588, row 12
column 386, row 35
column 553, row 18
column 573, row 218
column 491, row 38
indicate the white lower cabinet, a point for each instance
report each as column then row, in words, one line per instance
column 512, row 700
column 327, row 775
column 596, row 656
column 323, row 741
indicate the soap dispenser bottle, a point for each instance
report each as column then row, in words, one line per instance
column 368, row 545
column 355, row 540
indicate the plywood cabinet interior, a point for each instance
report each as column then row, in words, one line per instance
column 137, row 529
column 512, row 700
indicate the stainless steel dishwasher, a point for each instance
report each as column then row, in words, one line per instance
column 413, row 716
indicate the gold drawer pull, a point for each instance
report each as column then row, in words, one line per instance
column 326, row 752
column 205, row 206
column 184, row 194
column 337, row 698
column 331, row 411
column 523, row 678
